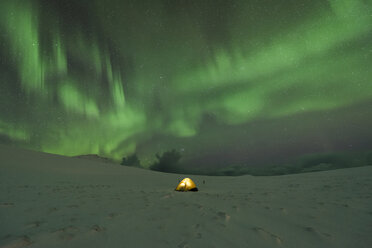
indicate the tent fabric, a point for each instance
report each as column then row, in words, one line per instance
column 186, row 185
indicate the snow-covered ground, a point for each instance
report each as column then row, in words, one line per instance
column 54, row 201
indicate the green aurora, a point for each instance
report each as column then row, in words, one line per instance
column 214, row 79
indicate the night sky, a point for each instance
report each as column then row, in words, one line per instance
column 224, row 82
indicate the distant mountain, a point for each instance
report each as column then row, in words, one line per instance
column 96, row 158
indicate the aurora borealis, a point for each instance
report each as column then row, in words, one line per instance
column 222, row 81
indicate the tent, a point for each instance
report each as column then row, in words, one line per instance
column 186, row 185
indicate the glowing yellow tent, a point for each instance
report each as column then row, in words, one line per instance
column 186, row 185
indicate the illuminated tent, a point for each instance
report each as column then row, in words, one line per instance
column 186, row 185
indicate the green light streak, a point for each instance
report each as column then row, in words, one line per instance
column 100, row 136
column 116, row 85
column 59, row 64
column 20, row 23
column 285, row 64
column 76, row 102
column 15, row 133
column 180, row 73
